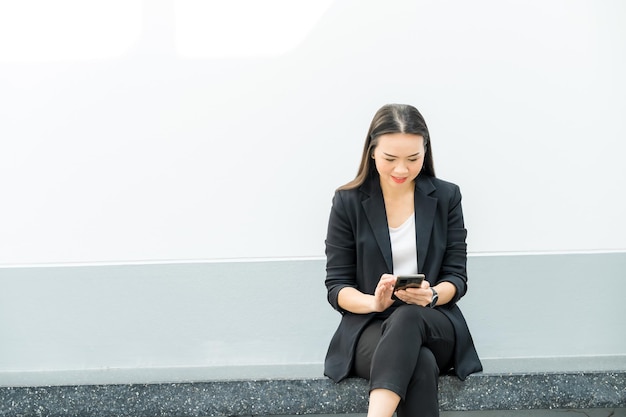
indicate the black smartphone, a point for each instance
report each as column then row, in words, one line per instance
column 409, row 281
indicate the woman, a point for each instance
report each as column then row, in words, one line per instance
column 396, row 218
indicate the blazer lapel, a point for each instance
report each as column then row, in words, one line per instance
column 374, row 208
column 425, row 208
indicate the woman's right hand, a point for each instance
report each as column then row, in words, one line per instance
column 383, row 293
column 353, row 300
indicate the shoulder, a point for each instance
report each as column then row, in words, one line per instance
column 369, row 188
column 437, row 186
column 347, row 198
column 349, row 194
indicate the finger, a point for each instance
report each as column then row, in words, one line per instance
column 415, row 291
column 404, row 298
column 385, row 285
column 386, row 276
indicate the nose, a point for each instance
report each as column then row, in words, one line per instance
column 401, row 168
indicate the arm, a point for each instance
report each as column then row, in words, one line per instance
column 354, row 301
column 446, row 291
column 343, row 292
column 340, row 253
column 454, row 265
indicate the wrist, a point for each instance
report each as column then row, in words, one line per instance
column 434, row 299
column 375, row 306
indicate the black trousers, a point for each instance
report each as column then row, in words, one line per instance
column 405, row 353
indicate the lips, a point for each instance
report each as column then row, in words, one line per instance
column 398, row 180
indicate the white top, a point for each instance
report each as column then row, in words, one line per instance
column 404, row 247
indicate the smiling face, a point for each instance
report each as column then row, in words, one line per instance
column 399, row 158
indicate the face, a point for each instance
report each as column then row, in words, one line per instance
column 399, row 158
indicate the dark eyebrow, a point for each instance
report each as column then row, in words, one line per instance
column 393, row 156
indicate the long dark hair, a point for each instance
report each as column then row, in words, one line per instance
column 392, row 118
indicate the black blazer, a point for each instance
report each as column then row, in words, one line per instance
column 358, row 252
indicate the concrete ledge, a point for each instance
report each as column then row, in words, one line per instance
column 163, row 316
column 513, row 391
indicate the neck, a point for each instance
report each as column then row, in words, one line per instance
column 394, row 193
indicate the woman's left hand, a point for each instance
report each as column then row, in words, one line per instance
column 421, row 296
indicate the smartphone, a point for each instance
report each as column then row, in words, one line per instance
column 409, row 281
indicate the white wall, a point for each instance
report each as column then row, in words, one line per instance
column 129, row 133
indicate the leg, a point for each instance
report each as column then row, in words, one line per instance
column 382, row 402
column 422, row 398
column 393, row 356
column 416, row 343
column 365, row 349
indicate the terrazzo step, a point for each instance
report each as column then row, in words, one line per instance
column 318, row 395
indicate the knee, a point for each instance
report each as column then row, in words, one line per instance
column 406, row 316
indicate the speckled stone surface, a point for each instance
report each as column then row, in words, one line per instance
column 580, row 390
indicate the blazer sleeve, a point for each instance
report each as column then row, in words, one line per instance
column 340, row 252
column 454, row 265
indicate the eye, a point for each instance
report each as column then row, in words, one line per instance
column 413, row 159
column 389, row 159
